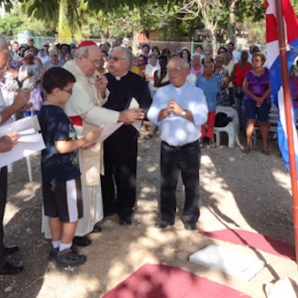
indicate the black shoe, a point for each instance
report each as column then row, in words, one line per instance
column 96, row 228
column 125, row 221
column 190, row 226
column 162, row 224
column 68, row 258
column 9, row 268
column 11, row 249
column 54, row 251
column 81, row 241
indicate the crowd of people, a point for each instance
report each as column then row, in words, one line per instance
column 75, row 90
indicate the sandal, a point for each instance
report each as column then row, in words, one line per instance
column 246, row 150
column 266, row 152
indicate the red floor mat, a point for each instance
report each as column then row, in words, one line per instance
column 161, row 281
column 254, row 240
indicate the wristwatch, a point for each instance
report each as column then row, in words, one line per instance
column 183, row 113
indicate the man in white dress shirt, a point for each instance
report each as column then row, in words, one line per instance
column 179, row 110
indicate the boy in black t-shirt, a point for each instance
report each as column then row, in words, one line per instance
column 61, row 184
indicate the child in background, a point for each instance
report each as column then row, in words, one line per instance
column 61, row 184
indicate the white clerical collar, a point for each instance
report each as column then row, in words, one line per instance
column 119, row 78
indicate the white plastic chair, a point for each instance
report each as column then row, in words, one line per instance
column 232, row 129
column 29, row 168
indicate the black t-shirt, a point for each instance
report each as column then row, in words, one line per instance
column 56, row 126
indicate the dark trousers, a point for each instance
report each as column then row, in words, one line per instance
column 120, row 166
column 186, row 160
column 3, row 196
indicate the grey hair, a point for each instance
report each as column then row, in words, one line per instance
column 81, row 51
column 244, row 51
column 209, row 62
column 220, row 56
column 3, row 41
column 183, row 61
column 127, row 54
column 195, row 55
column 153, row 54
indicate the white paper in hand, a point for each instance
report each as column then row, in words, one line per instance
column 135, row 105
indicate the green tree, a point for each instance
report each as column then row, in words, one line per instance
column 66, row 14
column 16, row 22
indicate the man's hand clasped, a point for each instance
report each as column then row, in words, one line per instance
column 174, row 107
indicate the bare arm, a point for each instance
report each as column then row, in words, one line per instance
column 149, row 78
column 66, row 146
column 225, row 84
column 157, row 80
column 233, row 76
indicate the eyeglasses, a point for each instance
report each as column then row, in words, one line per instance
column 115, row 58
column 67, row 90
column 221, row 52
column 174, row 68
column 94, row 62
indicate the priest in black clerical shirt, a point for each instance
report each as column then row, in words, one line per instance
column 127, row 90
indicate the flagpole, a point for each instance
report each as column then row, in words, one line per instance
column 288, row 116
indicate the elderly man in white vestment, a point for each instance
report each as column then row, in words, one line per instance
column 86, row 112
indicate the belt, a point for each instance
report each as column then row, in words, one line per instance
column 181, row 147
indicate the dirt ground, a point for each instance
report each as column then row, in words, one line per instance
column 250, row 192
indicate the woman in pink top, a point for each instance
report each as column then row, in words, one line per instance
column 196, row 67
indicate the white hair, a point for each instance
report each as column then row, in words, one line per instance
column 81, row 51
column 195, row 55
column 183, row 61
column 127, row 54
column 220, row 56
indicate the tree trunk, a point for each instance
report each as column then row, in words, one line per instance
column 232, row 28
column 135, row 41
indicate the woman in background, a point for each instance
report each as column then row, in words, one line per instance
column 257, row 100
column 209, row 83
column 185, row 54
column 223, row 77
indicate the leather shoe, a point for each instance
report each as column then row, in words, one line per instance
column 190, row 226
column 8, row 250
column 162, row 224
column 9, row 268
column 81, row 241
column 125, row 221
column 96, row 228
